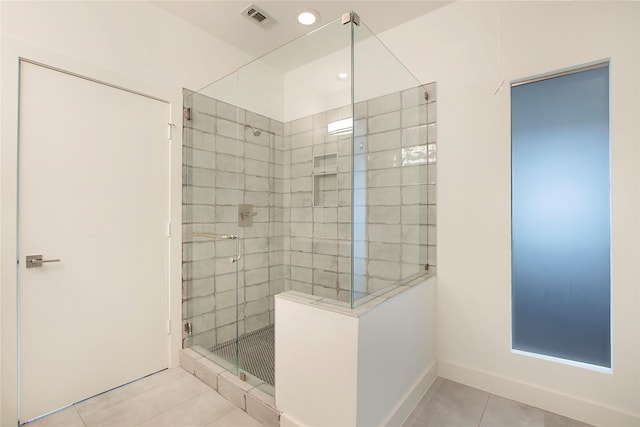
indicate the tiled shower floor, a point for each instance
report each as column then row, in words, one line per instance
column 256, row 353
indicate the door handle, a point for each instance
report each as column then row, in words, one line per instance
column 37, row 261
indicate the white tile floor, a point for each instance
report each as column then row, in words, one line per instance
column 169, row 398
column 448, row 403
column 176, row 398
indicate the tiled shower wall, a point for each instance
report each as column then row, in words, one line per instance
column 319, row 238
column 293, row 244
column 394, row 183
column 211, row 158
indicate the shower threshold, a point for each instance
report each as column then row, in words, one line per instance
column 256, row 353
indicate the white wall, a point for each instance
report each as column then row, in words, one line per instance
column 363, row 367
column 467, row 48
column 313, row 87
column 326, row 92
column 132, row 44
column 316, row 363
column 256, row 87
column 396, row 355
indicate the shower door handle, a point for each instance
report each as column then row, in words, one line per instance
column 221, row 237
column 215, row 236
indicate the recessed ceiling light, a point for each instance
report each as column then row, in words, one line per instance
column 307, row 17
column 342, row 76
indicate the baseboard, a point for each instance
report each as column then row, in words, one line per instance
column 286, row 421
column 549, row 400
column 403, row 409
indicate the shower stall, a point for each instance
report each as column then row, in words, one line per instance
column 310, row 170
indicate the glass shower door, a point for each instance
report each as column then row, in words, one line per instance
column 211, row 245
column 233, row 243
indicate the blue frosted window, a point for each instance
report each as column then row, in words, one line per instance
column 560, row 217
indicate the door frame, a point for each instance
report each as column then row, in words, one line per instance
column 13, row 51
column 18, row 193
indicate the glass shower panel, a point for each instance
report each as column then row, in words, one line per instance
column 317, row 169
column 391, row 161
column 211, row 164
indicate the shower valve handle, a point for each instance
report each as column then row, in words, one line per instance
column 247, row 214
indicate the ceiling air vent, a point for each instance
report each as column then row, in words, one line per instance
column 256, row 15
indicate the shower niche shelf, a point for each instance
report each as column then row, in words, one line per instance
column 325, row 180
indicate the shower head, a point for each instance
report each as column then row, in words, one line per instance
column 256, row 132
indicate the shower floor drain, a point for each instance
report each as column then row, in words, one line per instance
column 256, row 353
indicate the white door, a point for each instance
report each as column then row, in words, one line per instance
column 93, row 193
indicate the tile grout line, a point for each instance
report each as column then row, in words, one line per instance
column 84, row 423
column 169, row 409
column 231, row 408
column 160, row 384
column 182, row 403
column 484, row 409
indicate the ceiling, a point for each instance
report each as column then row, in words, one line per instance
column 223, row 19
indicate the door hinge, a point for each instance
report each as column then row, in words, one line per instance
column 170, row 130
column 169, row 229
column 169, row 327
column 187, row 328
column 186, row 113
